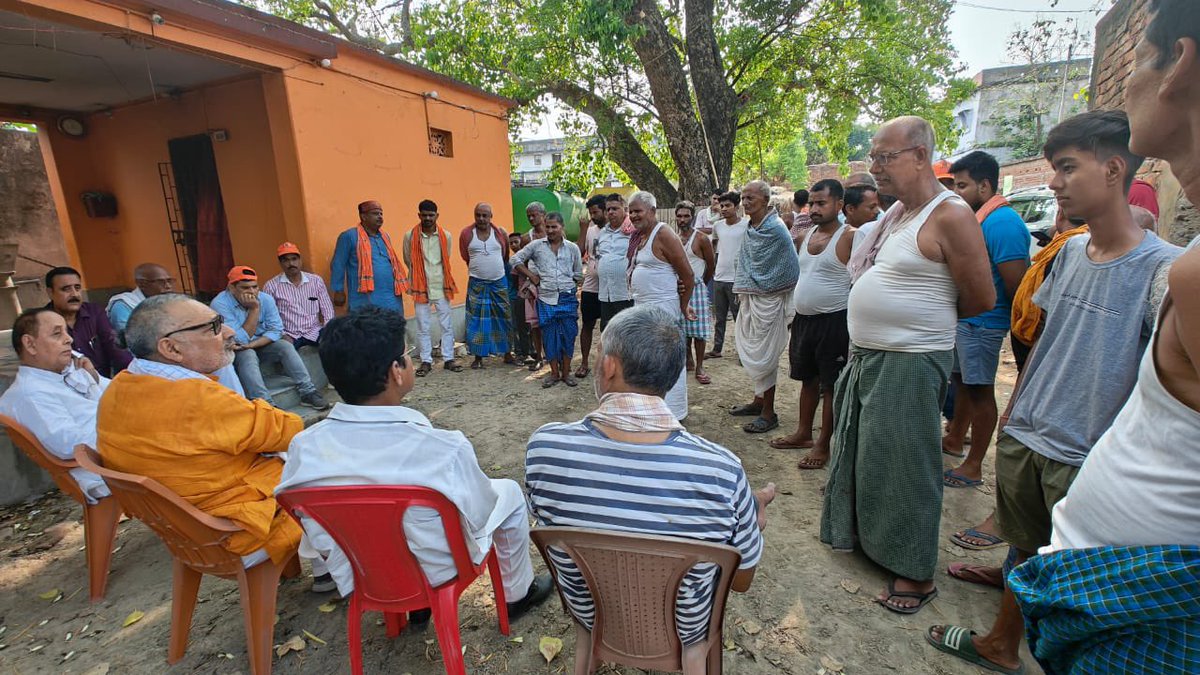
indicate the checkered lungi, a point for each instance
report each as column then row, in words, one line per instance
column 560, row 326
column 702, row 327
column 488, row 316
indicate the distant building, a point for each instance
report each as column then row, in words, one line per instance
column 532, row 160
column 1014, row 107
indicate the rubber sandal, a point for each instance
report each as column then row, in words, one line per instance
column 477, row 365
column 746, row 410
column 968, row 573
column 955, row 480
column 956, row 641
column 713, row 355
column 549, row 381
column 760, row 426
column 779, row 444
column 812, row 464
column 510, row 359
column 704, row 378
column 452, row 366
column 993, row 540
column 536, row 365
column 424, row 369
column 925, row 599
column 582, row 372
column 570, row 381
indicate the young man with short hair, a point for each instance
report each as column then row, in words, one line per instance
column 1100, row 298
column 589, row 296
column 427, row 253
column 801, row 220
column 728, row 233
column 860, row 205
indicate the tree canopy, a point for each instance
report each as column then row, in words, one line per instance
column 677, row 91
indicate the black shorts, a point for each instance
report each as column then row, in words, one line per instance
column 610, row 309
column 590, row 305
column 1020, row 352
column 818, row 347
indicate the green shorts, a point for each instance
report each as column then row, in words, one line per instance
column 1028, row 485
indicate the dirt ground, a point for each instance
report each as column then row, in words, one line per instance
column 810, row 610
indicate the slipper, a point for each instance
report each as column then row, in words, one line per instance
column 807, row 463
column 425, row 369
column 781, row 444
column 452, row 366
column 510, row 359
column 703, row 378
column 549, row 381
column 957, row 642
column 570, row 381
column 582, row 372
column 954, row 480
column 713, row 355
column 536, row 365
column 476, row 365
column 760, row 426
column 925, row 599
column 746, row 410
column 992, row 540
column 971, row 574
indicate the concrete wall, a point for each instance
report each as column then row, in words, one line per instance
column 27, row 213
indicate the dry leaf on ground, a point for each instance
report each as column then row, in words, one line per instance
column 550, row 647
column 850, row 586
column 295, row 644
column 327, row 607
column 50, row 594
column 314, row 638
column 751, row 627
column 134, row 617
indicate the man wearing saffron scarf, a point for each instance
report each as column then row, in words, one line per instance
column 365, row 267
column 427, row 254
column 978, row 338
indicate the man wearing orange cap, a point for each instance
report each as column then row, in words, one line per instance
column 941, row 169
column 257, row 333
column 303, row 302
column 365, row 269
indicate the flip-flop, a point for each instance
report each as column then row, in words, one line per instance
column 703, row 378
column 956, row 641
column 956, row 480
column 582, row 372
column 925, row 599
column 993, row 540
column 779, row 444
column 760, row 426
column 549, row 381
column 570, row 381
column 477, row 365
column 970, row 574
column 452, row 366
column 812, row 464
column 424, row 369
column 713, row 355
column 536, row 365
column 746, row 410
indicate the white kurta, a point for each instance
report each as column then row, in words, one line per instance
column 59, row 409
column 394, row 445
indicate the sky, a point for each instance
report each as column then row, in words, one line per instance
column 979, row 30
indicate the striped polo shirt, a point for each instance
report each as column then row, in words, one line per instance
column 684, row 486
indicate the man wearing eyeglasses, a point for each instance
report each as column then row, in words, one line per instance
column 257, row 330
column 55, row 392
column 151, row 280
column 168, row 419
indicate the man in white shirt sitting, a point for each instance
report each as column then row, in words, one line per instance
column 372, row 439
column 55, row 392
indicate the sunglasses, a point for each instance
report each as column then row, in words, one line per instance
column 214, row 325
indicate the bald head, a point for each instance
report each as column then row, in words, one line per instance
column 173, row 328
column 760, row 186
column 859, row 179
column 483, row 216
column 915, row 130
column 153, row 279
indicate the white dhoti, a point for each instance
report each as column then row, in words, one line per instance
column 762, row 335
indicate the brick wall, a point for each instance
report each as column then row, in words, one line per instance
column 818, row 172
column 1027, row 173
column 1116, row 36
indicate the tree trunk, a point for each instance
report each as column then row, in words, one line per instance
column 716, row 99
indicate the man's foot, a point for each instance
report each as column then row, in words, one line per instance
column 536, row 364
column 905, row 596
column 539, row 590
column 817, row 459
column 952, row 448
column 582, row 371
column 976, row 539
column 761, row 425
column 746, row 410
column 962, row 642
column 764, row 496
column 477, row 364
column 712, row 355
column 796, row 441
column 424, row 369
column 953, row 479
column 691, row 365
column 977, row 574
column 510, row 358
column 570, row 381
column 549, row 380
column 453, row 366
column 324, row 584
column 702, row 377
column 527, row 360
column 315, row 400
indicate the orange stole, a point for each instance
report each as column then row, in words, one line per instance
column 366, row 265
column 419, row 288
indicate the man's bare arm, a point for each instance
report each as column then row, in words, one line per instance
column 962, row 248
column 1011, row 273
column 1178, row 351
column 845, row 245
column 671, row 250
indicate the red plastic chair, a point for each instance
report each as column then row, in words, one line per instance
column 196, row 542
column 99, row 519
column 366, row 521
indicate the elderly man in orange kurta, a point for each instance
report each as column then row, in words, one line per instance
column 167, row 418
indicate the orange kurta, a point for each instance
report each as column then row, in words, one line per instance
column 205, row 443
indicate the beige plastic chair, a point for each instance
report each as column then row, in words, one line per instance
column 634, row 581
column 196, row 542
column 99, row 519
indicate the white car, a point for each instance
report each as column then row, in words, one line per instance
column 1038, row 208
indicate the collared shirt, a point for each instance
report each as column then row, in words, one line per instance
column 560, row 272
column 395, row 445
column 612, row 266
column 801, row 223
column 591, row 278
column 95, row 338
column 269, row 324
column 304, row 308
column 59, row 409
column 431, row 250
column 705, row 219
column 345, row 266
column 226, row 376
column 120, row 306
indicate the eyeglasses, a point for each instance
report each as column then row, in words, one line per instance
column 161, row 282
column 214, row 325
column 885, row 158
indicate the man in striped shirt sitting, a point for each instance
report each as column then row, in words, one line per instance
column 630, row 466
column 303, row 301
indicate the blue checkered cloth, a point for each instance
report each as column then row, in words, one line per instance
column 1112, row 609
column 702, row 327
column 560, row 326
column 489, row 317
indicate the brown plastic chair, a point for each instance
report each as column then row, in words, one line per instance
column 634, row 581
column 99, row 519
column 195, row 540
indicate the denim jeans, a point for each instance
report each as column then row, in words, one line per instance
column 248, row 363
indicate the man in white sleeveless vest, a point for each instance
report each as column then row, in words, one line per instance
column 820, row 342
column 661, row 276
column 922, row 269
column 484, row 247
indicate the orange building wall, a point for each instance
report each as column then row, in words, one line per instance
column 121, row 154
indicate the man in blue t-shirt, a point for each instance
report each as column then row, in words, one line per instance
column 977, row 343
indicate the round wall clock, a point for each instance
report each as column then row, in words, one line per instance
column 72, row 126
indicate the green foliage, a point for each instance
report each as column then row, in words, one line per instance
column 19, row 126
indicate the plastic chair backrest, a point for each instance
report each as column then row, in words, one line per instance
column 367, row 522
column 57, row 468
column 634, row 582
column 193, row 537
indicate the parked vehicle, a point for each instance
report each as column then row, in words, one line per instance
column 1038, row 208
